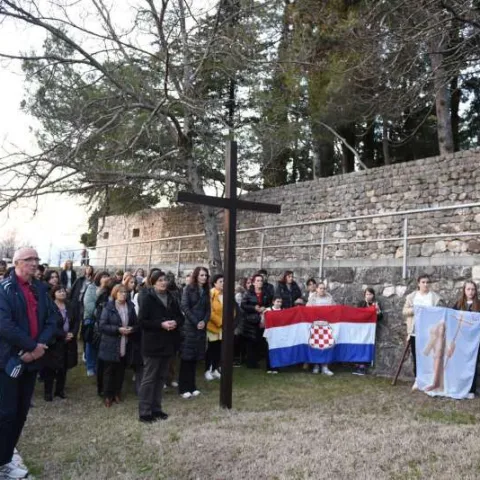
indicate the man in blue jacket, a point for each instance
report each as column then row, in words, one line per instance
column 27, row 323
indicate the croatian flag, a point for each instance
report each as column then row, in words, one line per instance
column 326, row 334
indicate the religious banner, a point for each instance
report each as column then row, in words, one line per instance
column 326, row 334
column 446, row 349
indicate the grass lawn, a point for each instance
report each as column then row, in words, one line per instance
column 290, row 426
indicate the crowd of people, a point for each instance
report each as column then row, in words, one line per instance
column 146, row 323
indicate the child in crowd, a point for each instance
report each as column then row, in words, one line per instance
column 317, row 299
column 276, row 306
column 369, row 300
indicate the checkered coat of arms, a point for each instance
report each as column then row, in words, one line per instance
column 321, row 335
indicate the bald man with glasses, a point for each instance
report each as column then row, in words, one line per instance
column 27, row 325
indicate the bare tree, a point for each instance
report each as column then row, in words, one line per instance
column 125, row 97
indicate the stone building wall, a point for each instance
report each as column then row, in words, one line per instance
column 431, row 182
column 351, row 260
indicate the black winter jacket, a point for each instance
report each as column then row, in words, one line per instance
column 289, row 296
column 110, row 322
column 250, row 327
column 196, row 308
column 55, row 355
column 156, row 341
column 71, row 347
column 64, row 278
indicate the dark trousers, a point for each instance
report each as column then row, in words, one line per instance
column 171, row 370
column 414, row 355
column 252, row 353
column 138, row 369
column 53, row 377
column 15, row 397
column 186, row 378
column 153, row 379
column 113, row 376
column 239, row 349
column 213, row 354
column 268, row 367
column 100, row 374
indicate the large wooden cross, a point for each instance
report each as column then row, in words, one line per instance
column 231, row 203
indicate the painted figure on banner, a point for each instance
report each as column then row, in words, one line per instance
column 448, row 344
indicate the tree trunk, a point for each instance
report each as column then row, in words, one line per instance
column 385, row 147
column 368, row 152
column 442, row 95
column 212, row 239
column 456, row 95
column 209, row 216
column 348, row 157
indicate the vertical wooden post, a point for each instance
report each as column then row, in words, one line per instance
column 229, row 279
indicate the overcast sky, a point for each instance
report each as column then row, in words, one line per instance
column 58, row 222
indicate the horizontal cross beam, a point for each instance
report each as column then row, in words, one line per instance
column 229, row 203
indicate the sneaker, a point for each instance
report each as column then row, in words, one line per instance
column 316, row 369
column 209, row 376
column 470, row 396
column 216, row 374
column 196, row 393
column 174, row 384
column 327, row 371
column 18, row 460
column 186, row 395
column 90, row 373
column 236, row 363
column 12, row 471
column 414, row 386
column 274, row 372
column 359, row 371
column 269, row 371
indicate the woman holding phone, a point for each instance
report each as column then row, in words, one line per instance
column 118, row 322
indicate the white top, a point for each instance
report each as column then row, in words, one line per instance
column 315, row 300
column 69, row 277
column 423, row 300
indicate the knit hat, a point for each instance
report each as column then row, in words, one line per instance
column 24, row 253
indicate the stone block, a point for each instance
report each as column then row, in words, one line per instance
column 473, row 246
column 388, row 291
column 427, row 249
column 400, row 290
column 476, row 273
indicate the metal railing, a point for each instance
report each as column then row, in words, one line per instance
column 262, row 246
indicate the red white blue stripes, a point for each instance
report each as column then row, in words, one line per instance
column 288, row 332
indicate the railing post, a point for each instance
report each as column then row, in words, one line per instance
column 105, row 260
column 149, row 264
column 126, row 258
column 322, row 254
column 262, row 244
column 178, row 257
column 405, row 247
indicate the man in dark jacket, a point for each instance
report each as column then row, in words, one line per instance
column 27, row 323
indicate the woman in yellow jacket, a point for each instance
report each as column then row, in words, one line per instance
column 214, row 330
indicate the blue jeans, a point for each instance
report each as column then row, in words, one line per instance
column 15, row 397
column 91, row 357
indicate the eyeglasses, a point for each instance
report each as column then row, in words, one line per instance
column 31, row 259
